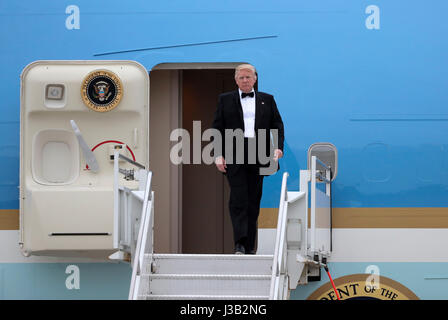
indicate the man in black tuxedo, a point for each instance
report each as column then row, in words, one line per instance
column 245, row 119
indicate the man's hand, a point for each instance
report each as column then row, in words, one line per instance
column 221, row 164
column 278, row 154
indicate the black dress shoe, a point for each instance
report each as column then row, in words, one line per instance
column 239, row 249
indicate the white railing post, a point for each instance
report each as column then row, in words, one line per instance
column 320, row 240
column 293, row 249
column 313, row 205
column 279, row 242
column 304, row 179
column 116, row 202
column 145, row 233
column 136, row 209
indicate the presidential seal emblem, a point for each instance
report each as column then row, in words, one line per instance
column 359, row 287
column 101, row 90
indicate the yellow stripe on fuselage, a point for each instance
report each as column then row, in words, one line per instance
column 373, row 218
column 342, row 218
column 9, row 219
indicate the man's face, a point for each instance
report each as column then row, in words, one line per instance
column 245, row 80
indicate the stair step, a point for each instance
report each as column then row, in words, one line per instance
column 201, row 297
column 211, row 264
column 206, row 284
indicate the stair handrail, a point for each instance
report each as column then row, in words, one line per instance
column 145, row 239
column 144, row 243
column 279, row 262
column 313, row 250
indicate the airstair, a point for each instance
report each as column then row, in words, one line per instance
column 80, row 201
column 302, row 246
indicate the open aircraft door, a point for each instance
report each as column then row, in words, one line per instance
column 74, row 115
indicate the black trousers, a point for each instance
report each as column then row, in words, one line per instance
column 246, row 187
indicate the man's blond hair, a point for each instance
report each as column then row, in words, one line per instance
column 245, row 66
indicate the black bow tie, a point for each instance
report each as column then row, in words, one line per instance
column 250, row 94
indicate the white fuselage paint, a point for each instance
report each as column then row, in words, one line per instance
column 378, row 245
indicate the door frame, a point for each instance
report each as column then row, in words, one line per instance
column 175, row 210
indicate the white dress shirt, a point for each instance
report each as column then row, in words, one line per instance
column 248, row 104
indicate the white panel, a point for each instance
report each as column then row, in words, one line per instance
column 379, row 245
column 389, row 245
column 55, row 157
column 56, row 162
column 66, row 209
column 209, row 284
column 323, row 222
column 266, row 241
column 213, row 264
column 10, row 253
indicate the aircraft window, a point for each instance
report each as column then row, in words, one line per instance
column 327, row 153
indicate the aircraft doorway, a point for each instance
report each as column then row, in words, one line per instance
column 191, row 200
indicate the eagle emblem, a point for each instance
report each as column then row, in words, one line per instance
column 101, row 90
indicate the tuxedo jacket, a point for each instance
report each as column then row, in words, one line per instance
column 229, row 115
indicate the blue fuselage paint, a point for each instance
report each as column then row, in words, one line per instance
column 377, row 93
